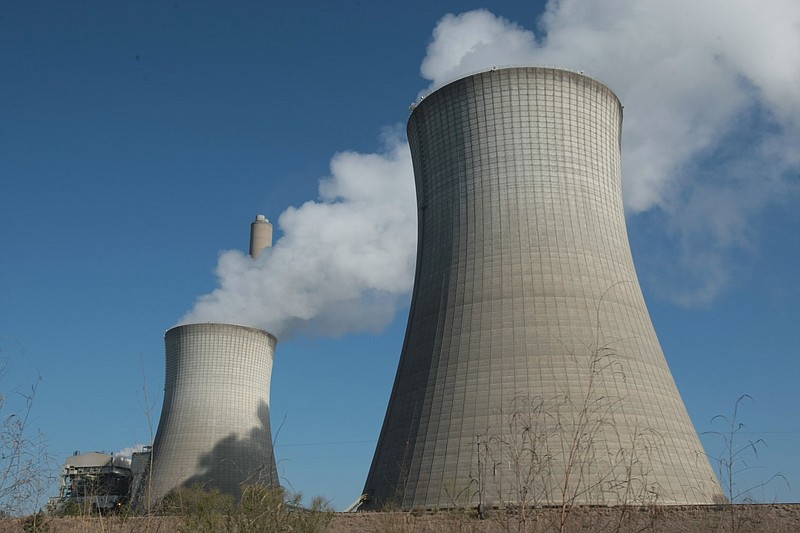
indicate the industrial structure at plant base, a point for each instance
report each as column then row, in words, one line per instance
column 95, row 481
column 530, row 371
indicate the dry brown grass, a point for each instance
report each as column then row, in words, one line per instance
column 758, row 518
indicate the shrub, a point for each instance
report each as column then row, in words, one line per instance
column 260, row 510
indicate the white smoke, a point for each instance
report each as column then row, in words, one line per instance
column 712, row 108
column 711, row 137
column 123, row 457
column 344, row 262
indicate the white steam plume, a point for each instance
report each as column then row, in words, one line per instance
column 343, row 264
column 123, row 457
column 711, row 137
column 711, row 92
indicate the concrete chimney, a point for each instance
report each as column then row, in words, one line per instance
column 260, row 235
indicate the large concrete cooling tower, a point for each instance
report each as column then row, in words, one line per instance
column 214, row 429
column 530, row 372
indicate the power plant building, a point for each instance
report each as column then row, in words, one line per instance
column 530, row 371
column 95, row 481
column 214, row 430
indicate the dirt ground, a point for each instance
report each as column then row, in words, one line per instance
column 688, row 519
column 763, row 518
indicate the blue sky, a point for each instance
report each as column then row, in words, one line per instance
column 138, row 141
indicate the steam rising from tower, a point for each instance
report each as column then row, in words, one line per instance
column 530, row 370
column 342, row 264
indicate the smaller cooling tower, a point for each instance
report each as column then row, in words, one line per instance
column 214, row 429
column 260, row 235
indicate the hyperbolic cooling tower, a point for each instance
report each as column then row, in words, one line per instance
column 214, row 429
column 530, row 371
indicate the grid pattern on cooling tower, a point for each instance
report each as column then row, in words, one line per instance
column 214, row 428
column 526, row 299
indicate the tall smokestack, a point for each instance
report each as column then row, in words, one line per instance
column 260, row 235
